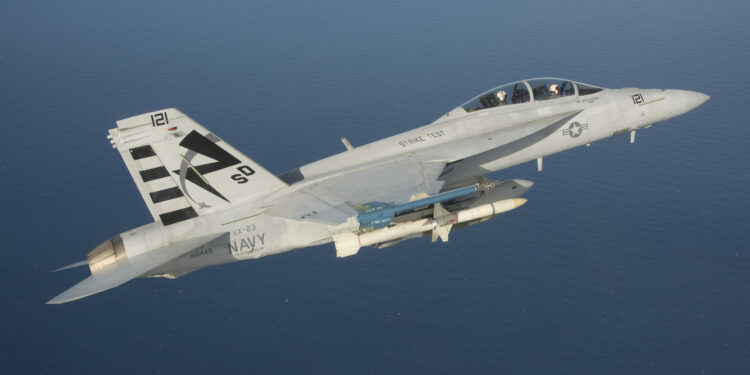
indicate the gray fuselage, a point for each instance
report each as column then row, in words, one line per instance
column 465, row 144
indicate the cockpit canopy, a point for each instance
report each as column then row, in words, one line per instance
column 529, row 90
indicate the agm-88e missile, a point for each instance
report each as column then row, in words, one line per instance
column 349, row 243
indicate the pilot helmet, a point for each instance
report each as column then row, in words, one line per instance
column 553, row 88
column 501, row 96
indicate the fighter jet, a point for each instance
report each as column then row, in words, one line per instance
column 212, row 205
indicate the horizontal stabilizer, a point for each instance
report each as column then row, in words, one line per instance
column 129, row 269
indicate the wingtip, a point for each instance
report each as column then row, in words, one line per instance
column 60, row 299
column 69, row 295
column 64, row 297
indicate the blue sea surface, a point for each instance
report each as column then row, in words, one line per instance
column 627, row 259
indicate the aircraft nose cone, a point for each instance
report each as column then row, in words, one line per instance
column 694, row 99
column 685, row 101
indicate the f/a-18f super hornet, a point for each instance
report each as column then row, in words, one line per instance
column 211, row 204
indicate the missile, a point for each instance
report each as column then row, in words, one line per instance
column 376, row 215
column 349, row 243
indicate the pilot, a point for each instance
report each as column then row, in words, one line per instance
column 554, row 90
column 501, row 97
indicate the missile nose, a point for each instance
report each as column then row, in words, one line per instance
column 518, row 202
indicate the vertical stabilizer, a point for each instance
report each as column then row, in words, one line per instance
column 182, row 170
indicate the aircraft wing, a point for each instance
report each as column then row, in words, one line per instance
column 129, row 269
column 333, row 199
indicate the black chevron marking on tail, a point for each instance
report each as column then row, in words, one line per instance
column 199, row 144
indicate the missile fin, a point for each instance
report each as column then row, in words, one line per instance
column 418, row 197
column 440, row 214
column 439, row 211
column 441, row 232
column 347, row 244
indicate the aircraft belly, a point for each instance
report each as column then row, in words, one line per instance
column 267, row 235
column 248, row 239
column 209, row 254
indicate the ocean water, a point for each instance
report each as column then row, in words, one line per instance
column 627, row 258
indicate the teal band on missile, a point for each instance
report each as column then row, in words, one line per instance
column 375, row 215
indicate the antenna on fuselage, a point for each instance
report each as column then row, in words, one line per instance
column 347, row 144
